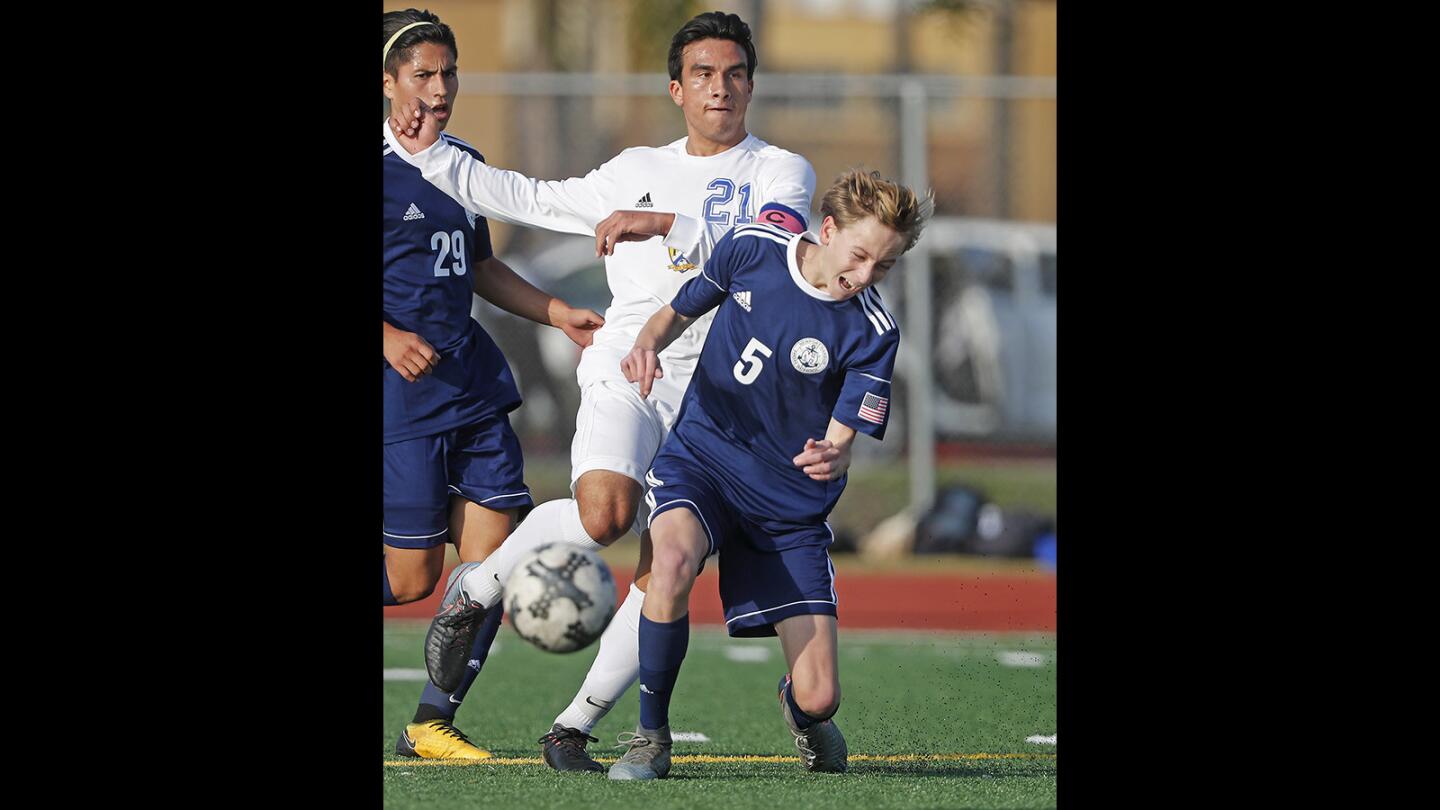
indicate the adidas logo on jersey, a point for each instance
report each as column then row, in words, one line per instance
column 413, row 213
column 743, row 299
column 644, row 202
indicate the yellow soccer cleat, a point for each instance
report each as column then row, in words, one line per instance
column 437, row 739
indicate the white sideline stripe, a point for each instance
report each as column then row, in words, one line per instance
column 688, row 736
column 388, row 150
column 749, row 655
column 406, row 674
column 414, row 536
column 1041, row 740
column 1012, row 658
column 873, row 377
column 939, row 642
column 777, row 607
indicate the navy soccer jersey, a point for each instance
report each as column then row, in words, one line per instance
column 782, row 358
column 432, row 249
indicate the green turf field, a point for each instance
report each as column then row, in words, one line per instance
column 932, row 720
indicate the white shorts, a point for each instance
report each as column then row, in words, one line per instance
column 618, row 431
column 615, row 429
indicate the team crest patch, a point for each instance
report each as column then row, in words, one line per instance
column 678, row 262
column 809, row 356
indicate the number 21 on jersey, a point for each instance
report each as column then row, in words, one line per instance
column 724, row 189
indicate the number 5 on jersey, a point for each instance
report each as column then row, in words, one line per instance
column 749, row 366
column 445, row 243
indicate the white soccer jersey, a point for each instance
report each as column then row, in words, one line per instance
column 709, row 196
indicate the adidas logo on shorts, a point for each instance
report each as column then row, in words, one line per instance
column 743, row 299
column 644, row 202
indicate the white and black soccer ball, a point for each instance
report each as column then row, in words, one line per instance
column 560, row 598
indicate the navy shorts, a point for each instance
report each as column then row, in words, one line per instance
column 480, row 462
column 769, row 570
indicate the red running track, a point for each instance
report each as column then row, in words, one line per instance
column 993, row 602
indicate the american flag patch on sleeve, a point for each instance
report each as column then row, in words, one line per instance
column 873, row 407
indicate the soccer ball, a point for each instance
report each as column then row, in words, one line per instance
column 560, row 597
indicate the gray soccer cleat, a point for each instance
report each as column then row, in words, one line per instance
column 648, row 757
column 822, row 746
column 564, row 750
column 452, row 632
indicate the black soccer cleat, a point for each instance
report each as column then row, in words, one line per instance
column 452, row 632
column 564, row 750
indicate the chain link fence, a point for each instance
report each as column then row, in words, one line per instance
column 978, row 363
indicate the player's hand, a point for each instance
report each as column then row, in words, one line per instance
column 630, row 226
column 409, row 354
column 578, row 324
column 414, row 126
column 642, row 366
column 822, row 460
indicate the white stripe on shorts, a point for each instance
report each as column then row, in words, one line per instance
column 697, row 514
column 413, row 536
column 787, row 604
column 834, row 597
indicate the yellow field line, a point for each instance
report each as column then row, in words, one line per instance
column 708, row 759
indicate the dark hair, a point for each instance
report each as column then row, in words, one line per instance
column 400, row 51
column 713, row 25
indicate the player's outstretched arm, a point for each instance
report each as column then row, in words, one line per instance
column 414, row 127
column 642, row 364
column 567, row 206
column 828, row 459
column 630, row 226
column 408, row 353
column 503, row 287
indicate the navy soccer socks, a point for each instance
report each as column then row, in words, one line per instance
column 802, row 720
column 662, row 651
column 438, row 705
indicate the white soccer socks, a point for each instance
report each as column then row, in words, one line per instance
column 616, row 666
column 551, row 522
